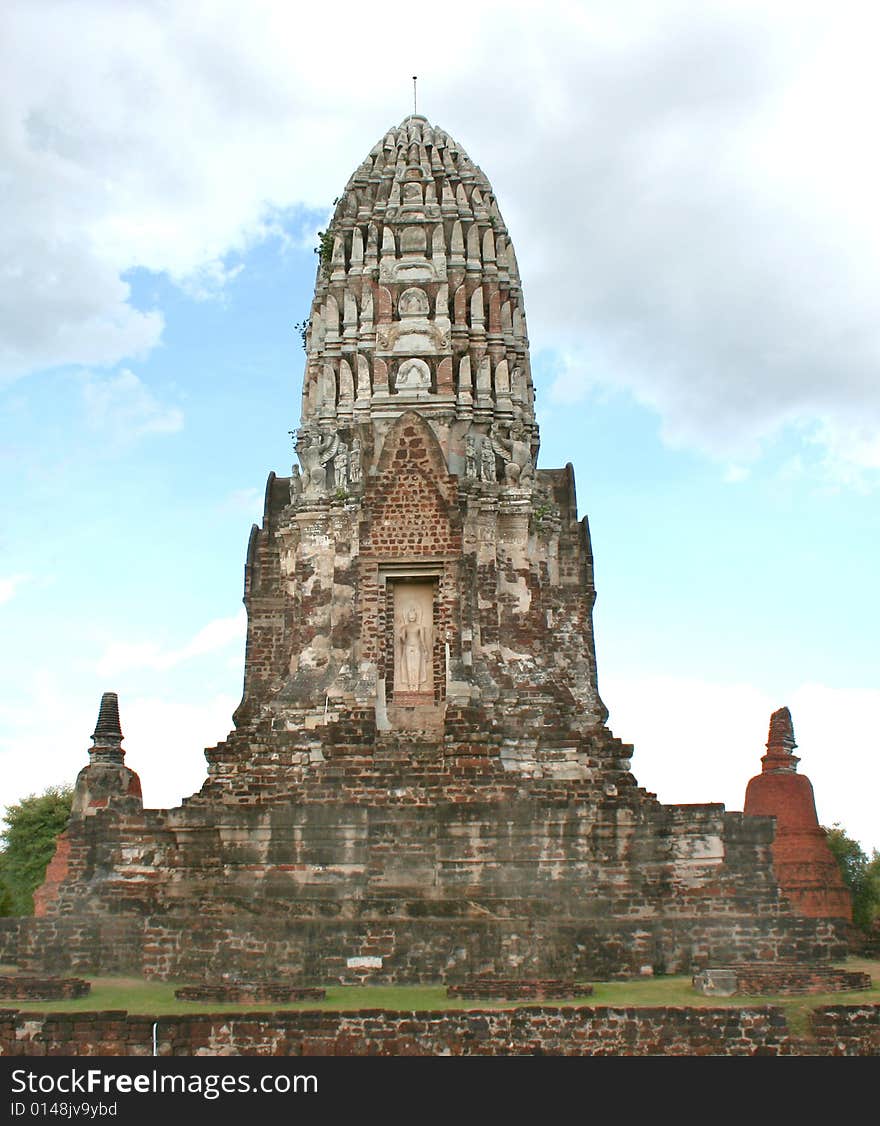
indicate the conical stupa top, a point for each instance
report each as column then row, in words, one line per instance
column 418, row 302
column 108, row 726
column 780, row 743
column 781, row 735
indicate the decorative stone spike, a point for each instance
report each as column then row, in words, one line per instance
column 357, row 252
column 489, row 250
column 371, row 256
column 441, row 304
column 331, row 319
column 349, row 316
column 484, row 380
column 465, row 384
column 346, row 389
column 506, row 323
column 502, row 379
column 363, row 382
column 366, row 322
column 327, row 391
column 456, row 256
column 478, row 317
column 337, row 260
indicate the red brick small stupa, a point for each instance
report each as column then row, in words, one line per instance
column 805, row 867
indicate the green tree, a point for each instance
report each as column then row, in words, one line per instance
column 861, row 875
column 28, row 843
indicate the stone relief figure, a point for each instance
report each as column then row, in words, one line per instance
column 341, row 465
column 412, row 194
column 308, row 451
column 413, row 375
column 314, row 452
column 411, row 672
column 355, row 470
column 515, row 451
column 413, row 303
column 470, row 456
column 296, row 485
column 487, row 462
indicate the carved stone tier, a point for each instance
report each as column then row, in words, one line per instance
column 418, row 304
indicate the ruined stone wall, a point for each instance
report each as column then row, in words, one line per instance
column 398, row 888
column 10, row 932
column 850, row 1030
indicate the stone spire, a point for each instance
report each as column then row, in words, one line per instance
column 418, row 304
column 107, row 783
column 107, row 736
column 780, row 745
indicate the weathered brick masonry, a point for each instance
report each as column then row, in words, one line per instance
column 20, row 987
column 849, row 1030
column 420, row 784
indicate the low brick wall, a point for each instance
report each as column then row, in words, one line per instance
column 546, row 1030
column 848, row 1030
column 250, row 993
column 757, row 978
column 503, row 989
column 22, row 987
column 782, row 980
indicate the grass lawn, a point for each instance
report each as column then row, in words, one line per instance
column 156, row 998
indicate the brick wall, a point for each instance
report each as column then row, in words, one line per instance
column 10, row 933
column 547, row 1030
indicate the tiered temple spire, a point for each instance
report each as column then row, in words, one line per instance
column 418, row 303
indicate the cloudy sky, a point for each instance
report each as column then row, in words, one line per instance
column 691, row 188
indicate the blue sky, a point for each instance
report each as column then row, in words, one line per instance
column 693, row 207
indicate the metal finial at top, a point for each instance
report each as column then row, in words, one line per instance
column 415, row 79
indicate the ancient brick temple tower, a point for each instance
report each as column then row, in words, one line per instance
column 420, row 784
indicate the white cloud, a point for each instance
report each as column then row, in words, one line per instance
column 698, row 741
column 165, row 741
column 122, row 407
column 209, row 280
column 123, row 656
column 248, row 500
column 689, row 186
column 9, row 585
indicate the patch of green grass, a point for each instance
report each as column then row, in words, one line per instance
column 156, row 998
